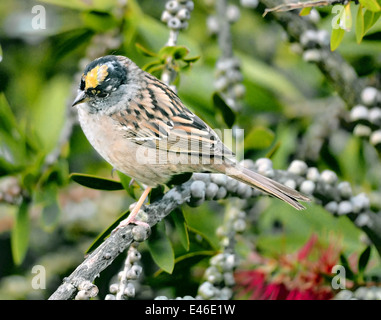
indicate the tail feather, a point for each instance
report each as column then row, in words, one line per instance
column 267, row 185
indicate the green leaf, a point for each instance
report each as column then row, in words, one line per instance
column 337, row 36
column 101, row 5
column 227, row 113
column 67, row 41
column 371, row 5
column 144, row 51
column 153, row 66
column 20, row 233
column 8, row 121
column 348, row 271
column 359, row 24
column 364, row 259
column 176, row 52
column 203, row 222
column 156, row 193
column 51, row 213
column 94, row 182
column 272, row 152
column 12, row 155
column 189, row 259
column 259, row 138
column 348, row 17
column 181, row 228
column 160, row 248
column 12, row 141
column 48, row 115
column 370, row 18
column 99, row 21
column 48, row 198
column 126, row 181
column 305, row 11
column 178, row 179
column 191, row 60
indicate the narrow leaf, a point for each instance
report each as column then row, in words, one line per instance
column 348, row 17
column 98, row 5
column 160, row 248
column 181, row 228
column 154, row 67
column 336, row 38
column 203, row 222
column 178, row 179
column 370, row 18
column 305, row 11
column 348, row 271
column 94, row 182
column 191, row 60
column 153, row 64
column 364, row 259
column 144, row 51
column 227, row 113
column 20, row 234
column 359, row 24
column 51, row 208
column 12, row 141
column 176, row 52
column 371, row 5
column 8, row 121
column 190, row 259
column 180, row 53
column 50, row 214
column 45, row 122
column 126, row 183
column 99, row 21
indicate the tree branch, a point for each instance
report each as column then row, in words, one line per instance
column 119, row 241
column 301, row 5
column 334, row 196
column 337, row 71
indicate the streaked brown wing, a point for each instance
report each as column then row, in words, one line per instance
column 158, row 114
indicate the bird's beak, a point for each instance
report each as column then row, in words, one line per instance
column 81, row 97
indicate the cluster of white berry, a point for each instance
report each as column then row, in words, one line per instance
column 124, row 288
column 177, row 13
column 366, row 116
column 361, row 293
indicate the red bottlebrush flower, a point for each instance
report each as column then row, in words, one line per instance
column 306, row 250
column 291, row 277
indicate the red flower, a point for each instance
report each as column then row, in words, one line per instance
column 291, row 277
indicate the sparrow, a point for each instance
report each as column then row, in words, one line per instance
column 142, row 128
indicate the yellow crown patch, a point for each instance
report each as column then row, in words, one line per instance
column 95, row 76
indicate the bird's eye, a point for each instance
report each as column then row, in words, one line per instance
column 102, row 95
column 82, row 85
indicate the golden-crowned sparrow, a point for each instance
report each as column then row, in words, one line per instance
column 141, row 127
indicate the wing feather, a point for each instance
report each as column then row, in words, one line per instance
column 162, row 116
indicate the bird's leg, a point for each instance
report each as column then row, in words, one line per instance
column 135, row 211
